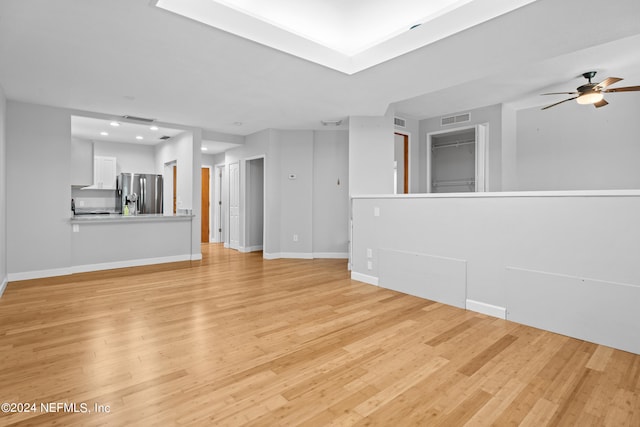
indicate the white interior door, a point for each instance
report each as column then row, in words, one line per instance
column 234, row 206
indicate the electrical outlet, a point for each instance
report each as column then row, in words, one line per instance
column 376, row 211
column 295, row 237
column 76, row 228
column 369, row 253
column 369, row 265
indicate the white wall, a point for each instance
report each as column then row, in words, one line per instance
column 179, row 149
column 331, row 193
column 566, row 263
column 38, row 143
column 184, row 149
column 575, row 147
column 371, row 155
column 256, row 145
column 509, row 149
column 491, row 115
column 312, row 206
column 296, row 158
column 3, row 193
column 130, row 158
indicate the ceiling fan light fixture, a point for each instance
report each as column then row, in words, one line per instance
column 590, row 97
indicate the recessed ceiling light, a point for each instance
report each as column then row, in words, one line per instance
column 154, row 128
column 104, row 133
column 237, row 123
column 139, row 137
column 204, row 148
column 114, row 124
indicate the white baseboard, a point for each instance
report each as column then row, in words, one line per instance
column 246, row 249
column 4, row 284
column 331, row 255
column 306, row 255
column 291, row 255
column 131, row 263
column 226, row 245
column 364, row 278
column 39, row 274
column 194, row 257
column 488, row 309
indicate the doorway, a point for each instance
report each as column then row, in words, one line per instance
column 254, row 230
column 206, row 205
column 170, row 188
column 456, row 160
column 401, row 163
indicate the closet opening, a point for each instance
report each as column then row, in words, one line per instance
column 456, row 160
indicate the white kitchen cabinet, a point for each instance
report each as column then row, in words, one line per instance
column 104, row 172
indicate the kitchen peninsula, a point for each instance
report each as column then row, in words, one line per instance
column 101, row 242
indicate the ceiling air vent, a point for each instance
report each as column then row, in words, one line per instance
column 450, row 120
column 399, row 122
column 139, row 119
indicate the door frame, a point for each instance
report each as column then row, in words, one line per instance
column 209, row 240
column 239, row 163
column 244, row 219
column 407, row 159
column 482, row 158
column 218, row 210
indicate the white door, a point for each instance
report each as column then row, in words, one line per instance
column 234, row 206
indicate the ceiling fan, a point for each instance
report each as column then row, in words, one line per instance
column 593, row 93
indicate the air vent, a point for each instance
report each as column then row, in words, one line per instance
column 399, row 122
column 139, row 119
column 165, row 137
column 460, row 118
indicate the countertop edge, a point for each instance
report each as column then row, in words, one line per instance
column 94, row 219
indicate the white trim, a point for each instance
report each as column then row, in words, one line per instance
column 331, row 255
column 4, row 284
column 364, row 278
column 246, row 249
column 39, row 274
column 226, row 245
column 133, row 263
column 488, row 309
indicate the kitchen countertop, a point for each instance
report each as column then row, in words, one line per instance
column 98, row 218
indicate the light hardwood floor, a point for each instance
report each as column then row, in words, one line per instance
column 235, row 340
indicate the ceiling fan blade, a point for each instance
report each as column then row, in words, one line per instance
column 600, row 103
column 559, row 93
column 553, row 105
column 624, row 89
column 607, row 82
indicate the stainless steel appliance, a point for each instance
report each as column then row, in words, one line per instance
column 141, row 193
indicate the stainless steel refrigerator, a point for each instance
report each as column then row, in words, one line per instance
column 142, row 193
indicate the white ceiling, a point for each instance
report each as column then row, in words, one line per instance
column 128, row 57
column 129, row 132
column 92, row 129
column 348, row 36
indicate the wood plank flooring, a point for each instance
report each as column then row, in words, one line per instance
column 239, row 341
